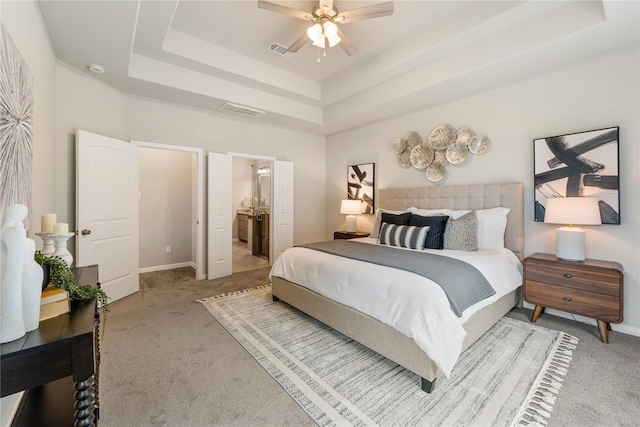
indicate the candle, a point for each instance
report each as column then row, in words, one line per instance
column 46, row 223
column 61, row 228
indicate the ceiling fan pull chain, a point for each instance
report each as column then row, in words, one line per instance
column 318, row 55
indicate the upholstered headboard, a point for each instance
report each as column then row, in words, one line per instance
column 458, row 197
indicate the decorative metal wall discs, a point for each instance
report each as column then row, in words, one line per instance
column 399, row 145
column 421, row 156
column 464, row 135
column 441, row 157
column 405, row 158
column 457, row 153
column 442, row 137
column 479, row 144
column 435, row 172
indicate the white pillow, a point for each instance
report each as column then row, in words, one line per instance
column 492, row 224
column 458, row 214
column 375, row 231
column 429, row 212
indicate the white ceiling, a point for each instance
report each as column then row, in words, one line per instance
column 206, row 53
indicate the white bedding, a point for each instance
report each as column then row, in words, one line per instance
column 412, row 304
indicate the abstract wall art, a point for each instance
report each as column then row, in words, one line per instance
column 583, row 164
column 361, row 185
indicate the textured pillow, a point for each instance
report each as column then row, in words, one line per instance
column 375, row 230
column 435, row 238
column 404, row 236
column 462, row 233
column 491, row 227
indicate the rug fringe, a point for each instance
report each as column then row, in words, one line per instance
column 229, row 294
column 537, row 407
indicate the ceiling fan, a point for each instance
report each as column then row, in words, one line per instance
column 324, row 18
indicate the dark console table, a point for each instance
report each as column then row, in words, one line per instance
column 57, row 366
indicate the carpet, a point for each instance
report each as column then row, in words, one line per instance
column 510, row 376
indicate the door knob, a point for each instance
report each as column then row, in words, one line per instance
column 85, row 232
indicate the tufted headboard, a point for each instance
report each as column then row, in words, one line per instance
column 458, row 197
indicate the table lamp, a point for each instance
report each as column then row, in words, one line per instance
column 351, row 208
column 571, row 210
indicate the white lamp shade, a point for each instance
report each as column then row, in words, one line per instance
column 572, row 210
column 351, row 207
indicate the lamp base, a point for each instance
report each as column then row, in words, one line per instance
column 570, row 244
column 351, row 223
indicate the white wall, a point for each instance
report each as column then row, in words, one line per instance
column 597, row 94
column 165, row 208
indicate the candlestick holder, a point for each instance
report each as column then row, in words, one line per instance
column 48, row 247
column 56, row 245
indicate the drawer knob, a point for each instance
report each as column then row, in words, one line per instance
column 567, row 298
column 568, row 275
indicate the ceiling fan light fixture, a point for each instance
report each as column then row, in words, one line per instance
column 333, row 40
column 314, row 32
column 319, row 41
column 330, row 29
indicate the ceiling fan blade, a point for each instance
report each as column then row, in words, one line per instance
column 346, row 44
column 296, row 45
column 367, row 12
column 273, row 7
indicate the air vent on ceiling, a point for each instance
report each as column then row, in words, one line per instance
column 241, row 109
column 279, row 49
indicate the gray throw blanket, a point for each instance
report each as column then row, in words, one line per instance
column 462, row 282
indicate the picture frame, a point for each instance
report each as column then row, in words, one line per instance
column 581, row 164
column 361, row 185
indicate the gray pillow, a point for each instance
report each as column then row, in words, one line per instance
column 462, row 233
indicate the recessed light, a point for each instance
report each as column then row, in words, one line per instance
column 95, row 68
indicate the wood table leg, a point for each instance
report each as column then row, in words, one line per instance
column 536, row 313
column 602, row 327
column 85, row 401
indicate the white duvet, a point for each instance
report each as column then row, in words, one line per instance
column 412, row 304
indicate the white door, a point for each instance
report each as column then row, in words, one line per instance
column 282, row 210
column 219, row 218
column 107, row 211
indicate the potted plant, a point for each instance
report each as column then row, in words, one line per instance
column 60, row 275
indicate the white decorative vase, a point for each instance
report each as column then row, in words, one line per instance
column 14, row 238
column 31, row 288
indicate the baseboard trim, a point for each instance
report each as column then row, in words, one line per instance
column 167, row 267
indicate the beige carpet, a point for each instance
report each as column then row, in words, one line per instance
column 167, row 362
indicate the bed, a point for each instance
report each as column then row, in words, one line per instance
column 388, row 340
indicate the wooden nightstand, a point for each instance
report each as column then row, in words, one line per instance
column 337, row 235
column 590, row 288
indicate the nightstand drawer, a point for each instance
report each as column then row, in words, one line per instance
column 590, row 304
column 597, row 280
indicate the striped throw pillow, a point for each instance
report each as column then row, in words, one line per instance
column 404, row 236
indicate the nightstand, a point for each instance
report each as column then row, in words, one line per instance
column 343, row 235
column 590, row 288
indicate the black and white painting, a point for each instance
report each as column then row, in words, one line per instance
column 583, row 164
column 361, row 185
column 16, row 124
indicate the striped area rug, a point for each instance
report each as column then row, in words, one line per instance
column 511, row 376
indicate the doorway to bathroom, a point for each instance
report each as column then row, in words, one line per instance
column 251, row 207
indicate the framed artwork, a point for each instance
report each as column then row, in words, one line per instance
column 361, row 185
column 583, row 164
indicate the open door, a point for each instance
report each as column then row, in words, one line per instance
column 282, row 210
column 107, row 211
column 219, row 218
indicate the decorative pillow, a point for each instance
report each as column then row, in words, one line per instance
column 375, row 230
column 404, row 236
column 437, row 224
column 491, row 226
column 398, row 219
column 462, row 233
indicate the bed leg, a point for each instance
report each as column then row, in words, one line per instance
column 275, row 298
column 427, row 386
